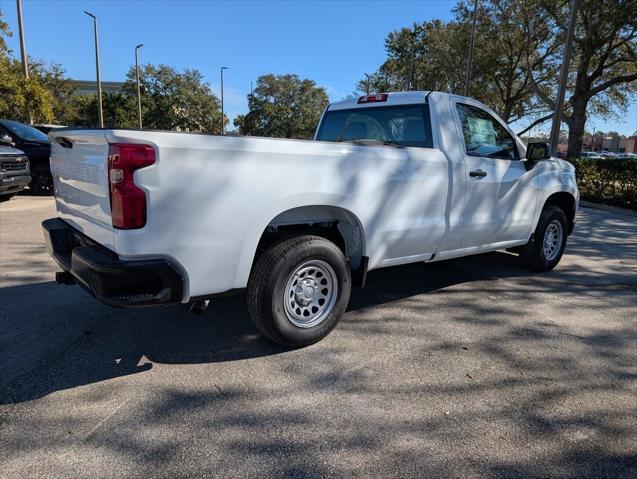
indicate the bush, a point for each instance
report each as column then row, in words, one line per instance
column 612, row 182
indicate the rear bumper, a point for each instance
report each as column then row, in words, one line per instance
column 13, row 182
column 112, row 281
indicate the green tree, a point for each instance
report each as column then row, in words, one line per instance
column 603, row 74
column 20, row 97
column 283, row 106
column 427, row 53
column 434, row 55
column 172, row 100
column 62, row 89
column 119, row 110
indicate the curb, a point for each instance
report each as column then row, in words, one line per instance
column 612, row 209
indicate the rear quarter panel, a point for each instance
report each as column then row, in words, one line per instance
column 211, row 198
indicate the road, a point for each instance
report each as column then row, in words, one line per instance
column 467, row 368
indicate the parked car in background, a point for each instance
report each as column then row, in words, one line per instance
column 47, row 128
column 591, row 155
column 36, row 146
column 14, row 172
column 149, row 217
column 609, row 155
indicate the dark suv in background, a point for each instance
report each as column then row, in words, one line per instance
column 37, row 147
column 14, row 172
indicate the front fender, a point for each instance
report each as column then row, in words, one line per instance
column 556, row 176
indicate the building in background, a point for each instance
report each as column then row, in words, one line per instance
column 610, row 143
column 89, row 87
column 628, row 145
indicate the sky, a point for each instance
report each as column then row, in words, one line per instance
column 331, row 42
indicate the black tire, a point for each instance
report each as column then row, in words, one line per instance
column 536, row 258
column 41, row 181
column 4, row 198
column 269, row 279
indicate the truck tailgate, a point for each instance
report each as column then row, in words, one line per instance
column 79, row 163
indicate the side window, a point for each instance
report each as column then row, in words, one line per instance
column 484, row 136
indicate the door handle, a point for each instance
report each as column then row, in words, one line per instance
column 478, row 173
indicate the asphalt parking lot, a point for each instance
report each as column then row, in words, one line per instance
column 467, row 368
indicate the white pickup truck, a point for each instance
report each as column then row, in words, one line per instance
column 150, row 217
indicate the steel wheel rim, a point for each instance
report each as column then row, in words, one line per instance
column 553, row 238
column 310, row 293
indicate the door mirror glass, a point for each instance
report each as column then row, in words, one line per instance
column 538, row 151
column 6, row 140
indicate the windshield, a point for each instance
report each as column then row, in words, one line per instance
column 401, row 125
column 25, row 132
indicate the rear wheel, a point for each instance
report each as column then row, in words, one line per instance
column 298, row 290
column 41, row 181
column 549, row 240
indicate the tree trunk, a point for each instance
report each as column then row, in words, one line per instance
column 576, row 129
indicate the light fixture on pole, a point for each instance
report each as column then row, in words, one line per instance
column 139, row 94
column 97, row 70
column 223, row 125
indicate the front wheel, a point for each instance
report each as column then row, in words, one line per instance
column 549, row 240
column 298, row 290
column 41, row 181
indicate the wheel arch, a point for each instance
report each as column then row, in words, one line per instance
column 335, row 223
column 567, row 202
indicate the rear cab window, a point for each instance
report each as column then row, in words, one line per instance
column 398, row 125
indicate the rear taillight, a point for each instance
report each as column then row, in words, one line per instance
column 128, row 201
column 373, row 98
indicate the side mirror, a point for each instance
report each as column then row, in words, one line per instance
column 538, row 151
column 6, row 140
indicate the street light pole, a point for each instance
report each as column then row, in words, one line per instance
column 411, row 62
column 23, row 51
column 566, row 60
column 97, row 70
column 222, row 117
column 467, row 79
column 139, row 95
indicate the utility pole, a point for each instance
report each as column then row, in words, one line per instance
column 223, row 126
column 23, row 51
column 97, row 70
column 139, row 94
column 467, row 78
column 566, row 60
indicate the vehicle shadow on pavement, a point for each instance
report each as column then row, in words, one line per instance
column 469, row 367
column 55, row 337
column 66, row 339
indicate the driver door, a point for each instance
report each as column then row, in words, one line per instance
column 500, row 193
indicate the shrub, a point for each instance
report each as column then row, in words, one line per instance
column 613, row 182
